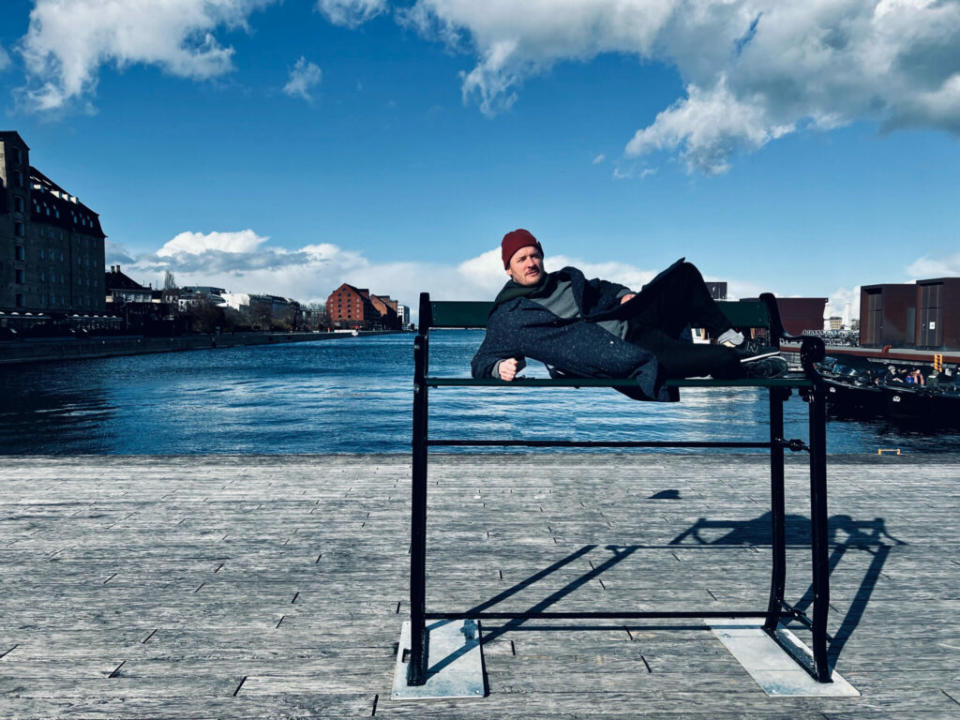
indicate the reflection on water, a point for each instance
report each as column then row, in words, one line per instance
column 354, row 395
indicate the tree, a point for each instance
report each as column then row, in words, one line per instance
column 261, row 315
column 315, row 316
column 207, row 317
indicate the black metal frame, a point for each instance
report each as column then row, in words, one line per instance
column 810, row 385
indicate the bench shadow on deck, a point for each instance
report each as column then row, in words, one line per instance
column 845, row 534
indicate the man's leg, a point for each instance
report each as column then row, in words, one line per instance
column 680, row 359
column 675, row 299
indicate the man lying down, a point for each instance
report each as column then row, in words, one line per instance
column 599, row 329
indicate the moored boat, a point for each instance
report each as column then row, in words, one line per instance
column 859, row 388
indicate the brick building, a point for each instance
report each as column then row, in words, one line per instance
column 358, row 308
column 51, row 244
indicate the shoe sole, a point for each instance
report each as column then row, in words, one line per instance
column 760, row 356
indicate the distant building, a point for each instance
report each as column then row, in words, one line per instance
column 800, row 314
column 141, row 308
column 403, row 315
column 51, row 244
column 888, row 314
column 264, row 311
column 236, row 300
column 387, row 307
column 835, row 323
column 938, row 313
column 358, row 308
column 121, row 288
column 924, row 314
column 717, row 290
column 192, row 295
column 279, row 306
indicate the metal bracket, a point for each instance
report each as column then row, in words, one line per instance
column 778, row 661
column 454, row 663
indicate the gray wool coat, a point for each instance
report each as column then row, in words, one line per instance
column 521, row 328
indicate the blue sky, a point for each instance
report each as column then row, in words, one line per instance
column 286, row 147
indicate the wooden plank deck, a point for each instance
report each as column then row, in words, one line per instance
column 275, row 587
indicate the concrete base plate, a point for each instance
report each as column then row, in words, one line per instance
column 455, row 662
column 776, row 670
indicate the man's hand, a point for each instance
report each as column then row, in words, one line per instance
column 508, row 369
column 627, row 298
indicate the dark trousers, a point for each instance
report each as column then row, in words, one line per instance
column 657, row 317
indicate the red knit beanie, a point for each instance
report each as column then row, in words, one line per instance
column 515, row 240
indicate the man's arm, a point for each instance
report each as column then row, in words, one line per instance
column 606, row 289
column 499, row 356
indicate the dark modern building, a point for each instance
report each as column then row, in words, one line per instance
column 800, row 314
column 51, row 244
column 888, row 315
column 938, row 313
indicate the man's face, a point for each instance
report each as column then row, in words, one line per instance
column 526, row 266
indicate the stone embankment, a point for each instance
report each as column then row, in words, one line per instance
column 54, row 350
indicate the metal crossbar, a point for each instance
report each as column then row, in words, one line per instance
column 596, row 443
column 742, row 314
column 795, row 381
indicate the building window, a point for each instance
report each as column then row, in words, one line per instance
column 18, row 176
column 18, row 252
column 18, row 229
column 19, row 300
column 19, row 277
column 18, row 154
column 17, row 204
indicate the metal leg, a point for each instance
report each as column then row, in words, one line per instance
column 778, row 540
column 818, row 521
column 417, row 672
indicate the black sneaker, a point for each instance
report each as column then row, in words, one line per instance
column 754, row 350
column 765, row 367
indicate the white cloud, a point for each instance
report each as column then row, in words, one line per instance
column 844, row 303
column 754, row 70
column 69, row 40
column 708, row 126
column 193, row 243
column 304, row 76
column 599, row 159
column 4, row 59
column 926, row 267
column 626, row 172
column 351, row 13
